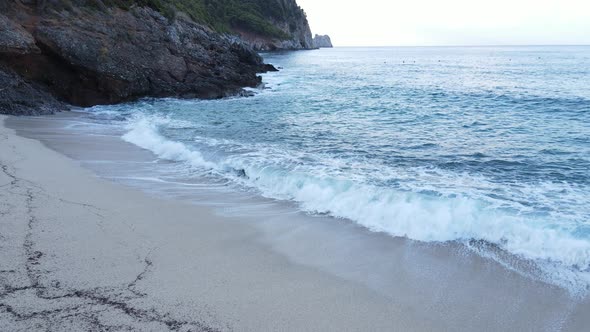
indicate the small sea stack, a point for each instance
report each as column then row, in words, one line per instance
column 322, row 41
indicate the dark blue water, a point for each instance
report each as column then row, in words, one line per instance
column 434, row 144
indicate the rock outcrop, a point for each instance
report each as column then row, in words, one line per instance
column 101, row 55
column 324, row 41
column 18, row 97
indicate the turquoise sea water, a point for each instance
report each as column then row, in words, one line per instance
column 471, row 144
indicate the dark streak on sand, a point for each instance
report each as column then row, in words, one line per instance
column 57, row 307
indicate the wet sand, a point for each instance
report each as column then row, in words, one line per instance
column 78, row 252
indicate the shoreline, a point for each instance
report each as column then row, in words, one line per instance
column 82, row 252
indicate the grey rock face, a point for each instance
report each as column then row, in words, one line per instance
column 322, row 41
column 17, row 96
column 14, row 39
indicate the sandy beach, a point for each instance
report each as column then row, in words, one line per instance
column 79, row 253
column 267, row 165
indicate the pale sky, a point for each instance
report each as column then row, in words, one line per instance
column 450, row 22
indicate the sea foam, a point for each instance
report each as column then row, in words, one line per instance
column 561, row 257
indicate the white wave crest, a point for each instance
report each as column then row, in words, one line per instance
column 418, row 216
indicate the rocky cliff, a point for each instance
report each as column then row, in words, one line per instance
column 263, row 24
column 324, row 41
column 289, row 19
column 87, row 52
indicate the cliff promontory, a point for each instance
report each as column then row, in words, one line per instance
column 263, row 24
column 86, row 52
column 289, row 28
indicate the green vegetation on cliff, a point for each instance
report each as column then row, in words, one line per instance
column 256, row 16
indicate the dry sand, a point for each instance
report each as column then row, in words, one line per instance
column 79, row 253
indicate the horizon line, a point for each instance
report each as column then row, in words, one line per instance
column 471, row 45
